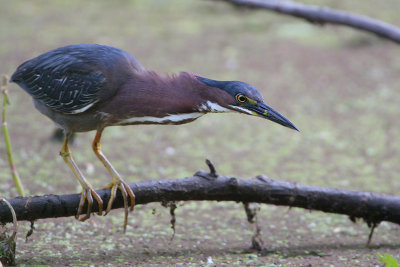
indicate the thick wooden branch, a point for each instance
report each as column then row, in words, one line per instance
column 322, row 15
column 373, row 208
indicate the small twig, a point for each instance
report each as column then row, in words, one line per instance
column 371, row 233
column 250, row 213
column 256, row 240
column 213, row 171
column 30, row 232
column 14, row 173
column 172, row 207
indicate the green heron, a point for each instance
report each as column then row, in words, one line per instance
column 88, row 87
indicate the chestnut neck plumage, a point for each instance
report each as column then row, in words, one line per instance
column 149, row 98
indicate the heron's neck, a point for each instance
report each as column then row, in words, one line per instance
column 182, row 93
column 156, row 99
column 207, row 98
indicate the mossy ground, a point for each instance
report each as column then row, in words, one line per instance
column 338, row 85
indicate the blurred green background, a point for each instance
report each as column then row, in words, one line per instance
column 338, row 85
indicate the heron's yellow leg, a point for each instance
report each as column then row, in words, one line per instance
column 88, row 192
column 117, row 181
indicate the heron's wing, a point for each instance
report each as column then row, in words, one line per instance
column 63, row 82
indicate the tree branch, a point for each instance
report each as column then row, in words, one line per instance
column 322, row 15
column 373, row 208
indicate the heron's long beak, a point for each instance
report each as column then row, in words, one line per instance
column 265, row 111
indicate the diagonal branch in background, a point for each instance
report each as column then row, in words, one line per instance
column 373, row 208
column 322, row 15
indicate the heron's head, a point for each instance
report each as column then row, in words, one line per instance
column 246, row 99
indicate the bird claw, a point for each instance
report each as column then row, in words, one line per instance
column 126, row 192
column 88, row 194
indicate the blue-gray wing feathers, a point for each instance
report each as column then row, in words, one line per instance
column 63, row 82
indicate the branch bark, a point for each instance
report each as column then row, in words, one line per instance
column 322, row 15
column 373, row 208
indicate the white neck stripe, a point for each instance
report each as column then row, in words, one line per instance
column 212, row 107
column 169, row 118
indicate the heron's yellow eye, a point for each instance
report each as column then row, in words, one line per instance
column 241, row 98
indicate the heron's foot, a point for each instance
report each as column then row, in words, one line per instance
column 88, row 194
column 126, row 192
